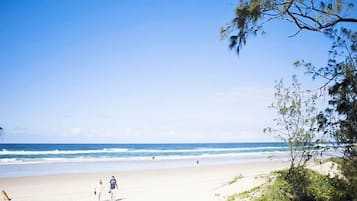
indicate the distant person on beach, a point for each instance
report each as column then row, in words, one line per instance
column 4, row 196
column 113, row 186
column 99, row 189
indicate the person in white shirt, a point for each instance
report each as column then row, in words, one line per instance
column 99, row 189
column 4, row 196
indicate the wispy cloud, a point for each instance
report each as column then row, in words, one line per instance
column 75, row 130
column 251, row 95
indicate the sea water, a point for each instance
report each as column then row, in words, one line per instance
column 45, row 159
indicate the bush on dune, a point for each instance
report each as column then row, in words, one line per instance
column 303, row 185
column 348, row 188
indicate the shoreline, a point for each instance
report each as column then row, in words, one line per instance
column 199, row 183
column 195, row 166
column 54, row 168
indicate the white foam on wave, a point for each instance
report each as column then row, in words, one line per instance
column 121, row 150
column 56, row 152
column 206, row 149
column 19, row 161
column 8, row 160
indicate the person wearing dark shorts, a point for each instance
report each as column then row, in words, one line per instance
column 112, row 188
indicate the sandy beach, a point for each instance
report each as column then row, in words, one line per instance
column 200, row 183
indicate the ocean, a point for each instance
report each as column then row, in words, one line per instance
column 46, row 159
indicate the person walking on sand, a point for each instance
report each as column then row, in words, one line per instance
column 99, row 189
column 4, row 196
column 113, row 187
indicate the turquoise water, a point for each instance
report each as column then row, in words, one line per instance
column 42, row 153
column 44, row 159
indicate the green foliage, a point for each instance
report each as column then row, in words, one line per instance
column 320, row 187
column 232, row 197
column 313, row 15
column 340, row 119
column 347, row 188
column 306, row 185
column 275, row 191
column 246, row 21
column 248, row 194
column 296, row 121
column 235, row 179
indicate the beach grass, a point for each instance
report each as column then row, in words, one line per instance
column 235, row 179
column 311, row 186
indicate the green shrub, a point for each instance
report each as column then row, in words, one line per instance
column 301, row 185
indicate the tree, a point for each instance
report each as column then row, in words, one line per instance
column 296, row 125
column 296, row 121
column 340, row 118
column 312, row 15
column 328, row 17
column 319, row 16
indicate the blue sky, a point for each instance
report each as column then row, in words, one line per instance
column 139, row 71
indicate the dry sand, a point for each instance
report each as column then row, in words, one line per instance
column 200, row 183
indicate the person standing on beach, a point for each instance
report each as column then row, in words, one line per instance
column 99, row 189
column 113, row 187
